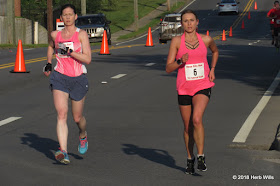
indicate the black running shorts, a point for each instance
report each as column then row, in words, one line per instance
column 187, row 100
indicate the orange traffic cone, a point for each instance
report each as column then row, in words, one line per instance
column 224, row 36
column 19, row 64
column 242, row 26
column 256, row 6
column 149, row 42
column 207, row 33
column 249, row 15
column 230, row 32
column 104, row 46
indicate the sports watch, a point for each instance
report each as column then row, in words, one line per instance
column 179, row 61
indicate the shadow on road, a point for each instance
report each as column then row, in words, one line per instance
column 154, row 155
column 44, row 145
column 276, row 143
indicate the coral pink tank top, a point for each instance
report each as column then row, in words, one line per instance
column 193, row 76
column 68, row 65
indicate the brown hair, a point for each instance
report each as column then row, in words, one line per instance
column 188, row 11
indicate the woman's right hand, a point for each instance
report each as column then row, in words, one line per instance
column 185, row 57
column 47, row 73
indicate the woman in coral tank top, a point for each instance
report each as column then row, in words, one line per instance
column 188, row 55
column 68, row 80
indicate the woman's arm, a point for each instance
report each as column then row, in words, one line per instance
column 210, row 43
column 171, row 64
column 85, row 56
column 50, row 50
column 215, row 53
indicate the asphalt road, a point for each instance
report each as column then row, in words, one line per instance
column 134, row 127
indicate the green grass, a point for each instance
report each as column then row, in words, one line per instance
column 153, row 23
column 123, row 15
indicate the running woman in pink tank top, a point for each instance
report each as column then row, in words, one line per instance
column 188, row 55
column 68, row 80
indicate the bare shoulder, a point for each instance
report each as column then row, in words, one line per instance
column 206, row 39
column 53, row 34
column 176, row 38
column 176, row 41
column 83, row 33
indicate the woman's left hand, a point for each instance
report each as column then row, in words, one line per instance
column 212, row 74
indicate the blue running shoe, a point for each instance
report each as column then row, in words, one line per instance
column 83, row 145
column 62, row 156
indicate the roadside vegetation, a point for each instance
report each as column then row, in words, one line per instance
column 123, row 15
column 153, row 23
column 119, row 12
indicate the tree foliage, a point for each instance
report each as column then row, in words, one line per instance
column 36, row 9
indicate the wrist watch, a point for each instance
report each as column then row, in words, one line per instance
column 179, row 61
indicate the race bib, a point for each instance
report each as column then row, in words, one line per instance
column 194, row 71
column 63, row 48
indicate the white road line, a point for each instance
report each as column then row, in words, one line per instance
column 243, row 133
column 187, row 6
column 118, row 76
column 149, row 64
column 155, row 28
column 8, row 120
column 136, row 38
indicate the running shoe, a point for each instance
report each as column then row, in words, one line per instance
column 201, row 165
column 83, row 145
column 190, row 166
column 62, row 156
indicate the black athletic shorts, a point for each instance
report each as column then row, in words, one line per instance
column 187, row 100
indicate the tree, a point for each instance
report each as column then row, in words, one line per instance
column 17, row 8
column 36, row 10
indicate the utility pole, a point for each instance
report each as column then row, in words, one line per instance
column 17, row 8
column 49, row 18
column 168, row 5
column 84, row 7
column 136, row 15
column 11, row 36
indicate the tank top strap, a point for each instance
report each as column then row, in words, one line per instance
column 182, row 41
column 58, row 36
column 199, row 37
column 201, row 42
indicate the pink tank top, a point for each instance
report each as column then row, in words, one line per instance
column 68, row 65
column 193, row 75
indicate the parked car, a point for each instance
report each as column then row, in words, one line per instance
column 228, row 6
column 94, row 25
column 170, row 26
